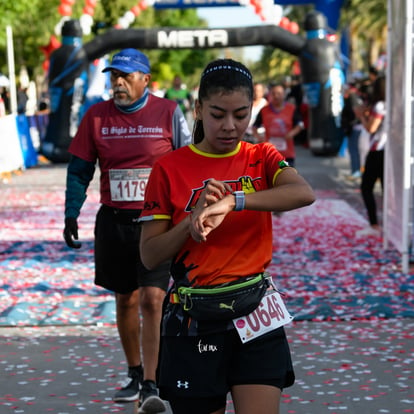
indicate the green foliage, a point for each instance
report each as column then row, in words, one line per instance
column 366, row 21
column 33, row 23
column 367, row 24
column 273, row 66
column 369, row 15
column 109, row 11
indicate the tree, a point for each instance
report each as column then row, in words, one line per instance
column 276, row 64
column 33, row 22
column 367, row 23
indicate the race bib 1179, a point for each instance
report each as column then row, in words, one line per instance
column 128, row 184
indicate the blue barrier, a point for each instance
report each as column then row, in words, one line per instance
column 26, row 143
column 19, row 136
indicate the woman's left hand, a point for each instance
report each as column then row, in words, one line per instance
column 203, row 219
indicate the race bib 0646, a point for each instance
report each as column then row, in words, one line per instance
column 269, row 315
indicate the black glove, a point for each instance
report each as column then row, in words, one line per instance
column 70, row 232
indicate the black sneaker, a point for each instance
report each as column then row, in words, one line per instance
column 130, row 392
column 150, row 402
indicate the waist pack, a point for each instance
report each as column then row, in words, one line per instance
column 224, row 302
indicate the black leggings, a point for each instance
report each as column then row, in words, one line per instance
column 374, row 170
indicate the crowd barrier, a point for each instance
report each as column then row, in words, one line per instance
column 20, row 139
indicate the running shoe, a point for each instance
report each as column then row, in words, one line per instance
column 130, row 392
column 150, row 402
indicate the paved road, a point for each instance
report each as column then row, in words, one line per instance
column 347, row 367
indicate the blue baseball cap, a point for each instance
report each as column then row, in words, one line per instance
column 128, row 61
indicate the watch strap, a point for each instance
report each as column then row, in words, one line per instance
column 240, row 200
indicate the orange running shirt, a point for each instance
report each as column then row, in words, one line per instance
column 176, row 181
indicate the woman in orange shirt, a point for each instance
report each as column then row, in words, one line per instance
column 208, row 206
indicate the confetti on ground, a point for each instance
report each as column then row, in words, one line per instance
column 352, row 338
column 351, row 367
column 329, row 272
column 326, row 270
column 347, row 367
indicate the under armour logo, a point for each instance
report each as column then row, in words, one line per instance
column 183, row 384
column 225, row 306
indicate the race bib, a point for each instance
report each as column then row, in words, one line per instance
column 279, row 142
column 268, row 316
column 128, row 185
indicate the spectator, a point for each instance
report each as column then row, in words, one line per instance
column 351, row 127
column 179, row 93
column 5, row 95
column 259, row 101
column 2, row 107
column 155, row 89
column 374, row 163
column 299, row 99
column 22, row 99
column 373, row 74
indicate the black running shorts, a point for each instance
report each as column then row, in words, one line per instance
column 118, row 265
column 200, row 370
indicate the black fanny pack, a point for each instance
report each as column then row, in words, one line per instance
column 226, row 301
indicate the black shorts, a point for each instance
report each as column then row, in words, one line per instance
column 197, row 372
column 118, row 265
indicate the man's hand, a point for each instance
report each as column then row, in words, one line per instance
column 70, row 233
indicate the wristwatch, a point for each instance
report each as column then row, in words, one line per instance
column 240, row 200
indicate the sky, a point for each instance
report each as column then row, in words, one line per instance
column 240, row 17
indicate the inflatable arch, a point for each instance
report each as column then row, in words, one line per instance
column 321, row 74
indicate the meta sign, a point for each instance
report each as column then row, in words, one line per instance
column 192, row 38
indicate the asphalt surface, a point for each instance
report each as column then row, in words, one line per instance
column 352, row 367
